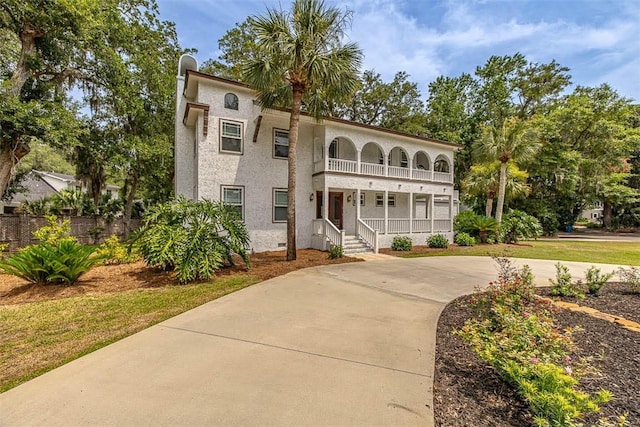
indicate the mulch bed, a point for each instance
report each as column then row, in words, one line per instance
column 125, row 277
column 467, row 392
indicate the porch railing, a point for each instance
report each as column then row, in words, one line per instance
column 375, row 223
column 341, row 165
column 398, row 172
column 368, row 234
column 441, row 225
column 443, row 176
column 397, row 226
column 371, row 169
column 421, row 174
column 421, row 225
column 335, row 236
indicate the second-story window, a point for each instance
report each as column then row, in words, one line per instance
column 230, row 137
column 231, row 101
column 280, row 143
column 333, row 149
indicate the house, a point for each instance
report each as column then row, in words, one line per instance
column 358, row 186
column 39, row 185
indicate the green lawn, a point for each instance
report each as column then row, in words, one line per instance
column 37, row 337
column 624, row 253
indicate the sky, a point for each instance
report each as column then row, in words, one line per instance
column 599, row 40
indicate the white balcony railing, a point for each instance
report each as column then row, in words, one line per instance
column 398, row 172
column 341, row 165
column 422, row 175
column 442, row 177
column 372, row 169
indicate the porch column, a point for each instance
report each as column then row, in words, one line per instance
column 325, row 154
column 357, row 204
column 451, row 213
column 410, row 212
column 386, row 170
column 325, row 202
column 432, row 211
column 386, row 211
column 358, row 161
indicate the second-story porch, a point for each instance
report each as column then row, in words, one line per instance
column 341, row 155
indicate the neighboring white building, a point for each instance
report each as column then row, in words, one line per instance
column 354, row 181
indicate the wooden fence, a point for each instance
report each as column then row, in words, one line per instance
column 17, row 230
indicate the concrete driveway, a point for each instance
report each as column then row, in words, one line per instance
column 349, row 344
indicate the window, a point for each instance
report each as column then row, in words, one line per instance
column 361, row 199
column 280, row 143
column 333, row 149
column 381, row 158
column 230, row 137
column 279, row 205
column 231, row 101
column 233, row 197
column 391, row 200
column 379, row 200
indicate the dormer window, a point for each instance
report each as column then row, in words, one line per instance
column 231, row 101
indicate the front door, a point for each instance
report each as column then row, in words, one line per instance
column 335, row 209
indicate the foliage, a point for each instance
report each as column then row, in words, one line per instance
column 596, row 280
column 194, row 238
column 62, row 262
column 336, row 251
column 518, row 225
column 113, row 252
column 563, row 285
column 484, row 227
column 630, row 277
column 465, row 239
column 54, row 231
column 401, row 243
column 301, row 60
column 514, row 332
column 438, row 241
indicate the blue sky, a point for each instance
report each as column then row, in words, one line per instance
column 599, row 40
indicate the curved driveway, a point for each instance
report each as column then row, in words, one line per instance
column 349, row 344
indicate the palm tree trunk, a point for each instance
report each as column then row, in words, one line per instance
column 501, row 190
column 294, row 124
column 488, row 210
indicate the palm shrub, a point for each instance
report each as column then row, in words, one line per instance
column 60, row 263
column 401, row 243
column 484, row 227
column 518, row 225
column 438, row 241
column 193, row 238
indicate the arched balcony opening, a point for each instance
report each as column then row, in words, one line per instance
column 421, row 166
column 372, row 159
column 442, row 169
column 342, row 156
column 398, row 163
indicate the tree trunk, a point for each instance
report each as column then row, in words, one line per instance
column 607, row 214
column 128, row 207
column 294, row 124
column 10, row 155
column 28, row 35
column 501, row 191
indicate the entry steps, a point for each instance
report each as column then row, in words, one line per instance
column 354, row 245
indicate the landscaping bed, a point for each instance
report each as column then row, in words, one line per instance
column 124, row 277
column 467, row 392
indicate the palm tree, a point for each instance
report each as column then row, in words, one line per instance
column 301, row 59
column 483, row 180
column 512, row 142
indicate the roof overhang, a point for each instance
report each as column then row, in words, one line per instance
column 191, row 113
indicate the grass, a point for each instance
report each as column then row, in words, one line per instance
column 37, row 337
column 623, row 253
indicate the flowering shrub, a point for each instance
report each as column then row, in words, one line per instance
column 630, row 277
column 515, row 333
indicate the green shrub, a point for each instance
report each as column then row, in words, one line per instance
column 464, row 239
column 596, row 280
column 336, row 251
column 482, row 227
column 630, row 277
column 517, row 225
column 462, row 222
column 563, row 285
column 60, row 263
column 401, row 243
column 194, row 238
column 113, row 252
column 54, row 231
column 438, row 241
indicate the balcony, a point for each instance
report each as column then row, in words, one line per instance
column 377, row 170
